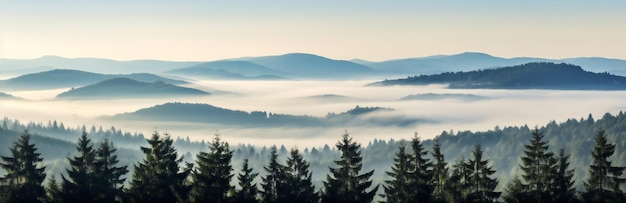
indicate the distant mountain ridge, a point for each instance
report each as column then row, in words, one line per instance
column 59, row 78
column 129, row 88
column 227, row 69
column 541, row 75
column 209, row 114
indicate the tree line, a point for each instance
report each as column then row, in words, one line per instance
column 95, row 175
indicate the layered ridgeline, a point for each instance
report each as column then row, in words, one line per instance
column 527, row 76
column 60, row 78
column 129, row 88
column 208, row 114
column 232, row 70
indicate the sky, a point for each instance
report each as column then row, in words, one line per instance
column 367, row 29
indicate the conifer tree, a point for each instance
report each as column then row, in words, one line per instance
column 346, row 183
column 538, row 166
column 398, row 189
column 439, row 172
column 248, row 192
column 459, row 182
column 420, row 175
column 159, row 177
column 109, row 182
column 515, row 192
column 53, row 191
column 563, row 189
column 78, row 185
column 23, row 179
column 213, row 173
column 604, row 180
column 482, row 186
column 272, row 181
column 297, row 187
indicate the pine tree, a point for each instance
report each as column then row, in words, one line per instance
column 78, row 185
column 563, row 189
column 482, row 186
column 272, row 182
column 53, row 191
column 23, row 179
column 213, row 174
column 538, row 165
column 159, row 178
column 604, row 180
column 458, row 184
column 398, row 189
column 420, row 175
column 439, row 171
column 109, row 183
column 297, row 187
column 248, row 191
column 346, row 184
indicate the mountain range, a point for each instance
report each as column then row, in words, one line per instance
column 129, row 88
column 536, row 75
column 60, row 78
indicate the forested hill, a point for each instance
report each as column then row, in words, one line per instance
column 537, row 75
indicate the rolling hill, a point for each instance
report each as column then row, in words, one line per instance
column 59, row 78
column 239, row 70
column 300, row 65
column 538, row 75
column 129, row 88
column 208, row 114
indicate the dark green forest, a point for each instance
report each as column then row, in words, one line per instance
column 535, row 75
column 578, row 160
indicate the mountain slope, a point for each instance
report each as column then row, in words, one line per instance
column 527, row 76
column 128, row 88
column 58, row 78
column 208, row 114
column 312, row 66
column 229, row 70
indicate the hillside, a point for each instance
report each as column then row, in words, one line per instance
column 239, row 70
column 59, row 78
column 537, row 75
column 432, row 96
column 302, row 65
column 208, row 114
column 129, row 88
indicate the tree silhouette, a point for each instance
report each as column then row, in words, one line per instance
column 159, row 177
column 298, row 187
column 213, row 173
column 79, row 184
column 109, row 182
column 539, row 167
column 439, row 172
column 482, row 186
column 23, row 180
column 398, row 189
column 272, row 181
column 346, row 183
column 249, row 190
column 604, row 180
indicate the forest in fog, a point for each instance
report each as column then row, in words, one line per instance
column 576, row 160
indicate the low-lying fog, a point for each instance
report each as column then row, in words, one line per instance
column 501, row 108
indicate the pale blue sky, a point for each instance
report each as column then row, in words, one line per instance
column 372, row 30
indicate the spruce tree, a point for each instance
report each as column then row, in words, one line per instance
column 23, row 179
column 604, row 178
column 398, row 188
column 420, row 175
column 297, row 187
column 159, row 177
column 515, row 192
column 273, row 180
column 78, row 185
column 482, row 186
column 109, row 182
column 53, row 191
column 346, row 183
column 213, row 173
column 459, row 182
column 248, row 192
column 439, row 172
column 563, row 189
column 538, row 166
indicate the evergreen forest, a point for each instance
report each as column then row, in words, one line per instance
column 578, row 160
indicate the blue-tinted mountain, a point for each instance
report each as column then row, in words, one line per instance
column 7, row 96
column 129, row 88
column 59, row 78
column 542, row 75
column 239, row 70
column 89, row 64
column 300, row 65
column 208, row 114
column 433, row 96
